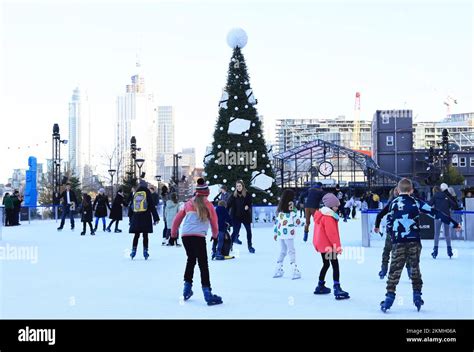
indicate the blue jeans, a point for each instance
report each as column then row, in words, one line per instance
column 217, row 245
column 97, row 222
column 236, row 224
column 67, row 211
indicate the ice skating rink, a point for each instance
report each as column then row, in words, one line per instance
column 62, row 275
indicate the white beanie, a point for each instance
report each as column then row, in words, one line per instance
column 443, row 187
column 101, row 190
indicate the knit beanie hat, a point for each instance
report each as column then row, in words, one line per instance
column 201, row 188
column 330, row 200
column 101, row 190
column 443, row 187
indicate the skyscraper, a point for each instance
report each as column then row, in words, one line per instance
column 79, row 133
column 135, row 117
column 165, row 141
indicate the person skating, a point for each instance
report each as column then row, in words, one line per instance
column 143, row 218
column 326, row 241
column 284, row 230
column 198, row 214
column 224, row 221
column 86, row 213
column 342, row 202
column 17, row 199
column 165, row 196
column 240, row 205
column 69, row 200
column 116, row 213
column 170, row 211
column 100, row 206
column 443, row 202
column 312, row 203
column 456, row 214
column 8, row 204
column 388, row 238
column 404, row 221
column 224, row 195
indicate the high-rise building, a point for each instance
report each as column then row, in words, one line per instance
column 135, row 117
column 460, row 128
column 292, row 133
column 79, row 133
column 165, row 141
column 187, row 162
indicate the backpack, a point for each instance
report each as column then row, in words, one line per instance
column 140, row 205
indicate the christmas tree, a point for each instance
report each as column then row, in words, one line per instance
column 239, row 151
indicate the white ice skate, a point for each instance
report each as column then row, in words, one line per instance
column 278, row 271
column 296, row 272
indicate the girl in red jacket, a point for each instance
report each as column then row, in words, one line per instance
column 198, row 213
column 327, row 242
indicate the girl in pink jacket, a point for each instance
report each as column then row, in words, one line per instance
column 198, row 213
column 327, row 242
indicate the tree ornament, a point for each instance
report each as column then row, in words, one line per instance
column 224, row 99
column 237, row 38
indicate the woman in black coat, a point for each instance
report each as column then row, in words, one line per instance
column 240, row 205
column 141, row 222
column 116, row 211
column 165, row 197
column 101, row 203
column 86, row 213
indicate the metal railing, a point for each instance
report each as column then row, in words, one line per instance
column 466, row 219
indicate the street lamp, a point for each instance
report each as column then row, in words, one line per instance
column 56, row 164
column 112, row 173
column 139, row 163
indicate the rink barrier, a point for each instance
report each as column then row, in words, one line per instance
column 368, row 221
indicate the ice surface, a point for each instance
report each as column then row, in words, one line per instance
column 93, row 277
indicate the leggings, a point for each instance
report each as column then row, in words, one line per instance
column 145, row 240
column 329, row 259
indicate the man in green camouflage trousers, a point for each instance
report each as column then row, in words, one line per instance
column 405, row 253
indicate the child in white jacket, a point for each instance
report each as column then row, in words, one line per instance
column 170, row 211
column 286, row 222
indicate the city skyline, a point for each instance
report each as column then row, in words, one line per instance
column 397, row 56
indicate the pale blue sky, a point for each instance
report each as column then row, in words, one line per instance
column 305, row 60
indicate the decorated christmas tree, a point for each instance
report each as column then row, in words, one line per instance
column 239, row 151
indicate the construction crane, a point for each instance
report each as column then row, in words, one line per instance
column 356, row 134
column 448, row 102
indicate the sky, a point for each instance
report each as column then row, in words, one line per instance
column 305, row 59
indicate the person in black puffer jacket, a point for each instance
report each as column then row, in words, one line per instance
column 86, row 213
column 240, row 205
column 143, row 218
column 101, row 203
column 116, row 211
